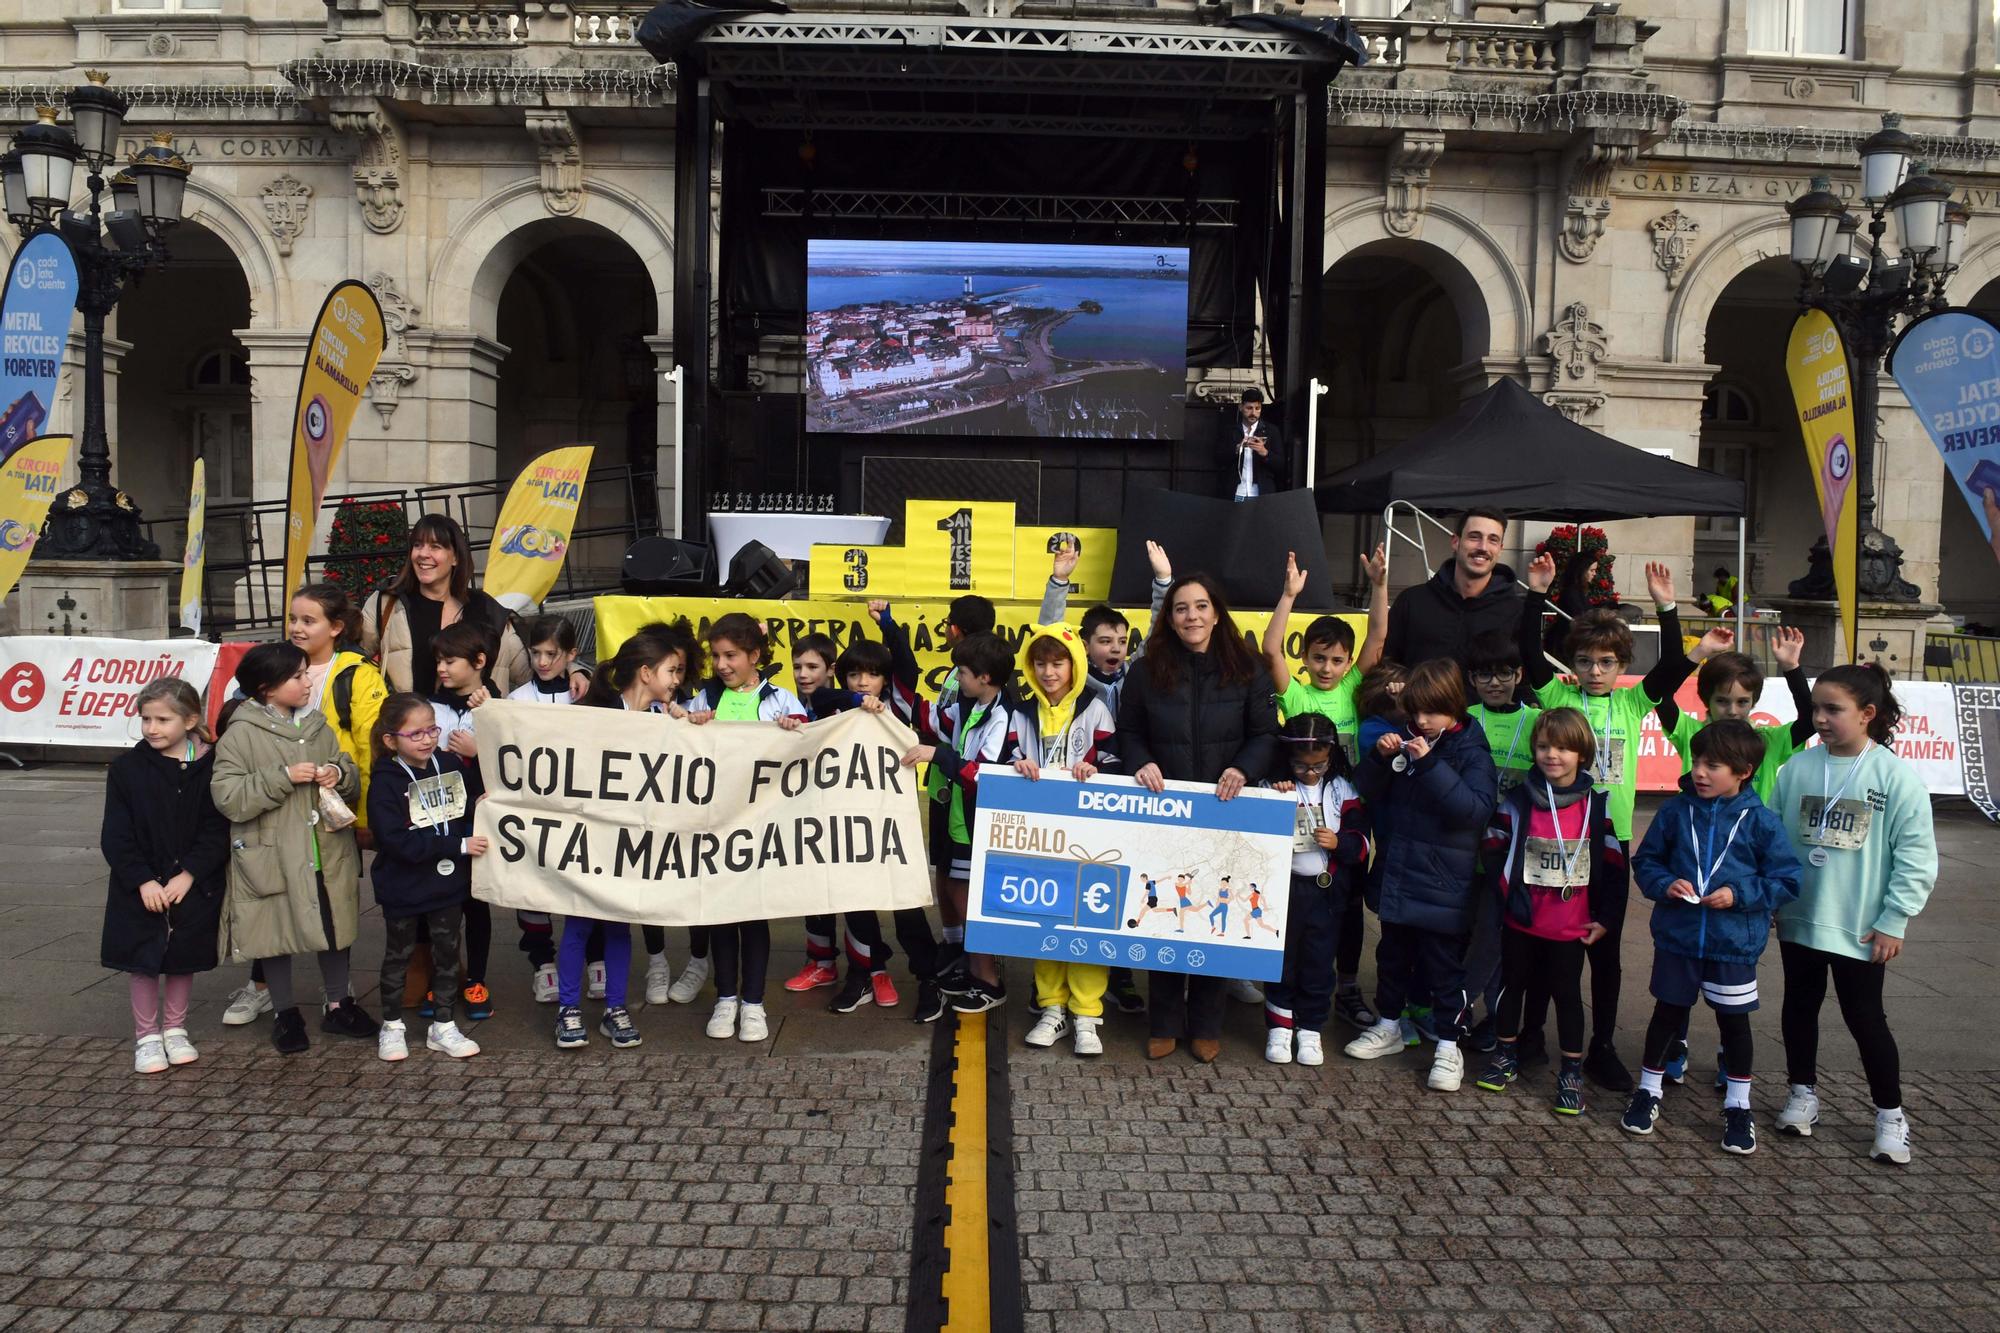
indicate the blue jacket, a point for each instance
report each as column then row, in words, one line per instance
column 1429, row 820
column 1758, row 866
column 407, row 855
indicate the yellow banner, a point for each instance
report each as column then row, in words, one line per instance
column 194, row 559
column 346, row 344
column 28, row 482
column 1816, row 364
column 1090, row 581
column 532, row 535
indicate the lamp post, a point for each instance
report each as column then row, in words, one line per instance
column 1845, row 272
column 94, row 520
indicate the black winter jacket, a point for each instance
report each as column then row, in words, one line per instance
column 407, row 854
column 1432, row 620
column 159, row 821
column 1200, row 727
column 1429, row 820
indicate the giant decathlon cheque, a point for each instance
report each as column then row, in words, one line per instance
column 1107, row 872
column 638, row 817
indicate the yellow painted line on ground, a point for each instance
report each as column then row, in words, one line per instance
column 967, row 1282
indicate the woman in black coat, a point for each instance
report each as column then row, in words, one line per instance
column 1197, row 708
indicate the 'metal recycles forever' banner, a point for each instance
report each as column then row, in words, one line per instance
column 637, row 817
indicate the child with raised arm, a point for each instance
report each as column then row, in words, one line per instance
column 1332, row 668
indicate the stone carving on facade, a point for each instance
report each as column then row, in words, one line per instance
column 393, row 371
column 561, row 154
column 1582, row 408
column 287, row 201
column 1587, row 195
column 1578, row 343
column 378, row 164
column 1407, row 196
column 1673, row 244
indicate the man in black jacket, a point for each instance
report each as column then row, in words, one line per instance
column 1256, row 456
column 1471, row 594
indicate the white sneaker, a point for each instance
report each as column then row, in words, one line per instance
column 391, row 1043
column 1892, row 1138
column 1447, row 1068
column 1385, row 1038
column 1801, row 1112
column 1087, row 1041
column 1051, row 1027
column 547, row 987
column 1278, row 1046
column 593, row 982
column 1310, row 1051
column 149, row 1055
column 689, row 983
column 1246, row 991
column 722, row 1023
column 447, row 1038
column 180, row 1051
column 751, row 1024
column 659, row 980
column 245, row 1005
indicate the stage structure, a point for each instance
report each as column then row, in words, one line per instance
column 1204, row 142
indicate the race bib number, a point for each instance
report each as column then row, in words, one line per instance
column 437, row 800
column 1308, row 821
column 1843, row 827
column 1543, row 865
column 1609, row 770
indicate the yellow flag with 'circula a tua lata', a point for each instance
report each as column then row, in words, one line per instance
column 532, row 537
column 346, row 344
column 1822, row 390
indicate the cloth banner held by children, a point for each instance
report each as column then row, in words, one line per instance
column 638, row 817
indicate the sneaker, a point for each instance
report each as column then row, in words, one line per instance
column 930, row 1003
column 1246, row 992
column 1447, row 1068
column 1050, row 1028
column 1801, row 1112
column 1677, row 1064
column 1641, row 1113
column 1483, row 1037
column 447, row 1038
column 955, row 980
column 1603, row 1067
column 1086, row 1042
column 1350, row 1008
column 1385, row 1038
column 659, row 981
column 478, row 1002
column 885, row 990
column 1500, row 1073
column 392, row 1042
column 180, row 1051
column 246, row 1005
column 1892, row 1138
column 547, row 988
column 1310, row 1050
column 288, row 1032
column 617, row 1025
column 1420, row 1019
column 1739, row 1130
column 348, row 1019
column 752, row 1024
column 149, row 1054
column 1569, row 1092
column 979, row 997
column 689, row 983
column 1278, row 1046
column 428, row 1009
column 722, row 1023
column 853, row 993
column 812, row 976
column 593, row 981
column 1126, row 996
column 570, row 1032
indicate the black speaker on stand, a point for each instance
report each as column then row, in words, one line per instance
column 757, row 571
column 657, row 566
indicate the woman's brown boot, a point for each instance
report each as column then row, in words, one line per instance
column 1205, row 1049
column 1159, row 1048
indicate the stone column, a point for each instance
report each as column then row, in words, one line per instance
column 667, row 396
column 1910, row 487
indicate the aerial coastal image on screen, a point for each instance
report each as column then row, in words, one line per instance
column 946, row 338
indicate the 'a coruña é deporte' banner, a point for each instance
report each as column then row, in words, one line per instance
column 638, row 817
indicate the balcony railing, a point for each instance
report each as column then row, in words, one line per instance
column 525, row 23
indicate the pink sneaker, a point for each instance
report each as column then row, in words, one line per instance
column 885, row 990
column 812, row 976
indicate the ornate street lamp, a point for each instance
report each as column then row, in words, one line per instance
column 94, row 520
column 1846, row 272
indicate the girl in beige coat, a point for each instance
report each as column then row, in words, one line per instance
column 294, row 886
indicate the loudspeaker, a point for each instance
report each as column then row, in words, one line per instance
column 662, row 565
column 756, row 571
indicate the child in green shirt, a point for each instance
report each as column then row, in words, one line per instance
column 1333, row 669
column 1728, row 685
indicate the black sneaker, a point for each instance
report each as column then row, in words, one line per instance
column 1483, row 1037
column 1603, row 1067
column 1739, row 1130
column 617, row 1025
column 1532, row 1049
column 853, row 993
column 956, row 979
column 1569, row 1092
column 348, row 1019
column 979, row 997
column 1500, row 1074
column 1126, row 995
column 288, row 1033
column 1641, row 1113
column 570, row 1032
column 1351, row 1009
column 930, row 1003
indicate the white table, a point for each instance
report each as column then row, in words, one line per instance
column 792, row 536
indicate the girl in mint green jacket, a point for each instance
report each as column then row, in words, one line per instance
column 1860, row 821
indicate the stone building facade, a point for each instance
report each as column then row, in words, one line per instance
column 1587, row 196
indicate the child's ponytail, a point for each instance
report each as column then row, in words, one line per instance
column 1869, row 686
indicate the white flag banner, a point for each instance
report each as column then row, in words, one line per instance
column 70, row 691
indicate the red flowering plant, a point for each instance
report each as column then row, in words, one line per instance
column 379, row 533
column 1563, row 544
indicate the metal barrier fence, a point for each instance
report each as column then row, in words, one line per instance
column 242, row 580
column 1961, row 659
